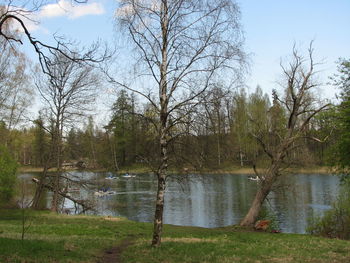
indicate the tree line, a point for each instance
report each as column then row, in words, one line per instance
column 219, row 134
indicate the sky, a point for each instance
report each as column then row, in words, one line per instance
column 271, row 27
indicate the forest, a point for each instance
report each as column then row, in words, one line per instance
column 217, row 135
column 179, row 106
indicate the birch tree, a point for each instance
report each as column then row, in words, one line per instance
column 180, row 46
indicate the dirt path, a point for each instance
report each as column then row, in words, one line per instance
column 114, row 254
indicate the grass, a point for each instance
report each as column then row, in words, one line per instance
column 62, row 238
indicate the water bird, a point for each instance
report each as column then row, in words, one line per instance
column 129, row 175
column 256, row 178
column 111, row 177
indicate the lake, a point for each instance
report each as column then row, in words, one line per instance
column 208, row 200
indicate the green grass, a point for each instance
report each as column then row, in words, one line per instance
column 61, row 238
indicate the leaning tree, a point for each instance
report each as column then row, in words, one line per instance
column 296, row 107
column 180, row 49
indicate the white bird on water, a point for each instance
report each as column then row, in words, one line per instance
column 256, row 178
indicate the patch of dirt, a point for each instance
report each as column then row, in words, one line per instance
column 114, row 254
column 112, row 218
column 188, row 240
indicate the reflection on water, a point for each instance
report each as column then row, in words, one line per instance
column 211, row 200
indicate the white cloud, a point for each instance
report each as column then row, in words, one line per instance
column 61, row 8
column 65, row 8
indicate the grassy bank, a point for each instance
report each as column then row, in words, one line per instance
column 62, row 238
column 249, row 170
column 226, row 170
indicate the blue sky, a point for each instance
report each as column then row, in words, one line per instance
column 271, row 27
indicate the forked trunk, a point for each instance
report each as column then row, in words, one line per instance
column 40, row 188
column 55, row 198
column 56, row 184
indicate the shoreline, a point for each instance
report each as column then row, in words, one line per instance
column 232, row 170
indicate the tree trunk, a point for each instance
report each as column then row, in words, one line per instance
column 55, row 198
column 264, row 189
column 255, row 208
column 56, row 188
column 93, row 150
column 241, row 157
column 158, row 216
column 115, row 161
column 40, row 187
column 38, row 193
column 219, row 149
column 164, row 132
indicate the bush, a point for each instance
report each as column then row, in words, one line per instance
column 8, row 168
column 336, row 222
column 267, row 213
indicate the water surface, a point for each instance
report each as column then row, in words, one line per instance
column 210, row 200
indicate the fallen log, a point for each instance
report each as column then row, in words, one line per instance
column 86, row 206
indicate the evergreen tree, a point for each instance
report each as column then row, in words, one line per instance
column 122, row 125
column 40, row 144
column 239, row 127
column 73, row 150
column 343, row 115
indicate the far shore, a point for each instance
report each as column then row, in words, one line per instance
column 230, row 170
